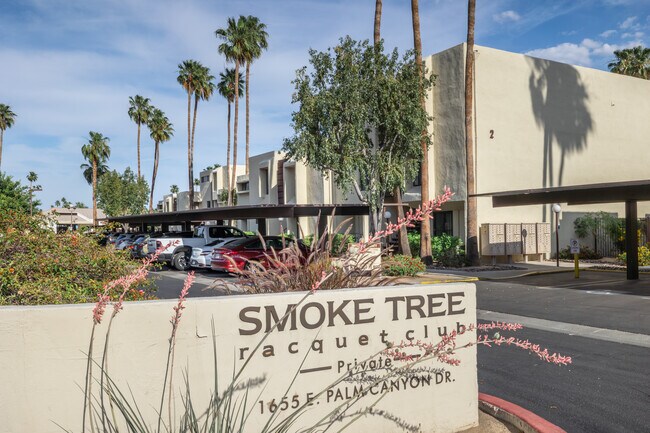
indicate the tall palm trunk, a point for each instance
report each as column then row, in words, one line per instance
column 138, row 150
column 228, row 162
column 196, row 107
column 153, row 177
column 377, row 21
column 425, row 232
column 234, row 134
column 248, row 92
column 472, row 224
column 2, row 133
column 190, row 175
column 397, row 192
column 94, row 192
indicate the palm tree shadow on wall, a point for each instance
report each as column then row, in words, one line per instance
column 559, row 102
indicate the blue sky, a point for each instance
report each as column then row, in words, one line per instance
column 69, row 67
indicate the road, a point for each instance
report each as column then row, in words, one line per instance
column 601, row 321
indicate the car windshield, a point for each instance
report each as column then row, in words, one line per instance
column 236, row 242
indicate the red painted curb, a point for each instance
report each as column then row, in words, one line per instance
column 528, row 419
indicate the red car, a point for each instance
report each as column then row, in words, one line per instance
column 239, row 253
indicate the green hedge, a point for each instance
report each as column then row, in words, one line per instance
column 446, row 250
column 400, row 265
column 38, row 266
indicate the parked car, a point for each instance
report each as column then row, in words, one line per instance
column 137, row 248
column 201, row 256
column 127, row 241
column 239, row 254
column 179, row 250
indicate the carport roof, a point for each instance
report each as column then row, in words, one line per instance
column 638, row 190
column 244, row 212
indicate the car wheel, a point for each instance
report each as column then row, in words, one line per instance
column 180, row 262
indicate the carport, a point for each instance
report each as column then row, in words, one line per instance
column 189, row 217
column 629, row 192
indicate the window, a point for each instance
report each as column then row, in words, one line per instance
column 264, row 181
column 225, row 232
column 244, row 186
column 443, row 223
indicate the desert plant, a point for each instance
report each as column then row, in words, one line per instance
column 400, row 265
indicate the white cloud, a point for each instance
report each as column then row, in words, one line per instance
column 566, row 53
column 607, row 33
column 583, row 54
column 636, row 35
column 506, row 16
column 629, row 23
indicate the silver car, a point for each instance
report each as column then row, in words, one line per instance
column 201, row 256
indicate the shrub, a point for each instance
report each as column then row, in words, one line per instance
column 446, row 250
column 644, row 256
column 586, row 253
column 38, row 266
column 401, row 265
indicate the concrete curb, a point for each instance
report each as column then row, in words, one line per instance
column 451, row 280
column 528, row 274
column 519, row 417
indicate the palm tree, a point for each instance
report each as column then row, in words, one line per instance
column 88, row 171
column 632, row 61
column 161, row 130
column 472, row 224
column 257, row 42
column 226, row 88
column 96, row 152
column 32, row 177
column 234, row 46
column 425, row 230
column 139, row 112
column 188, row 76
column 7, row 118
column 204, row 88
column 174, row 189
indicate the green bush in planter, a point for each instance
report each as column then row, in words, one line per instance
column 446, row 250
column 401, row 265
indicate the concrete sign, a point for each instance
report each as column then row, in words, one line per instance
column 326, row 360
column 334, row 344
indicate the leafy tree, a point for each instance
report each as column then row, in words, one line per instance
column 161, row 130
column 234, row 46
column 96, row 152
column 632, row 61
column 139, row 111
column 88, row 171
column 14, row 196
column 226, row 88
column 256, row 35
column 360, row 119
column 122, row 194
column 7, row 118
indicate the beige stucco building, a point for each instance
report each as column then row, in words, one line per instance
column 537, row 123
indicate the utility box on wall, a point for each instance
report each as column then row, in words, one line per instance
column 521, row 239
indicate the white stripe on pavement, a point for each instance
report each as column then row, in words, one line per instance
column 641, row 340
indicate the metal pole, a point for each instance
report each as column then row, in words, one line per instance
column 557, row 239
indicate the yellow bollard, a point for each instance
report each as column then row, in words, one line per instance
column 576, row 266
